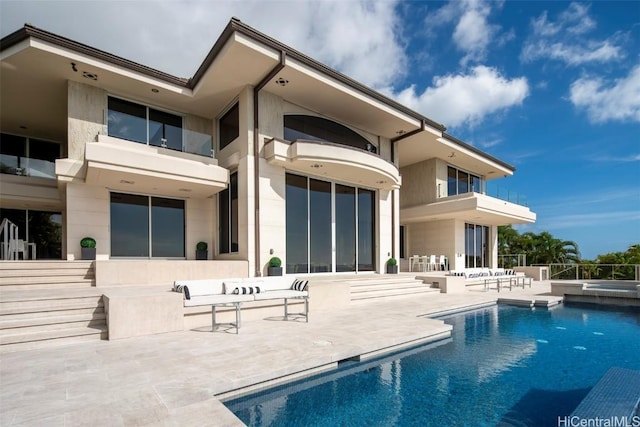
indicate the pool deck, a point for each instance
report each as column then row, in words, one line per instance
column 178, row 378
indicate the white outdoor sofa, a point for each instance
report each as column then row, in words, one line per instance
column 499, row 276
column 233, row 292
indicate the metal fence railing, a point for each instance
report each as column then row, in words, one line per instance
column 594, row 271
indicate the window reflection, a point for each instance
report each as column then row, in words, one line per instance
column 134, row 217
column 297, row 224
column 309, row 226
column 229, row 126
column 345, row 228
column 320, row 226
column 320, row 129
column 228, row 216
column 41, row 230
column 460, row 182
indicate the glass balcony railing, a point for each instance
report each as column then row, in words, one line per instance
column 24, row 166
column 504, row 193
column 197, row 143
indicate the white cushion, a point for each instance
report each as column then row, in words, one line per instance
column 280, row 294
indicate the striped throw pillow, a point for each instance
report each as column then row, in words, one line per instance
column 300, row 285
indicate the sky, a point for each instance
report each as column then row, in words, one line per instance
column 550, row 87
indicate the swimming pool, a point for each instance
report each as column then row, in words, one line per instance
column 503, row 365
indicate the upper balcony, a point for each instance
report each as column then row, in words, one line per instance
column 130, row 166
column 335, row 161
column 471, row 207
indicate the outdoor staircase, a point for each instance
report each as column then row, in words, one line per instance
column 47, row 303
column 378, row 287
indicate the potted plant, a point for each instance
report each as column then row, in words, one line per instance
column 88, row 248
column 275, row 267
column 392, row 266
column 201, row 251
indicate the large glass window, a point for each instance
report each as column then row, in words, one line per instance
column 228, row 216
column 229, row 126
column 28, row 156
column 366, row 229
column 143, row 226
column 345, row 228
column 41, row 231
column 460, row 182
column 476, row 246
column 297, row 219
column 139, row 123
column 314, row 209
column 320, row 129
column 319, row 226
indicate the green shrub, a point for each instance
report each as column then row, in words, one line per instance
column 202, row 246
column 88, row 242
column 392, row 262
column 275, row 262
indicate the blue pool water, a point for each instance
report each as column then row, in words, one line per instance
column 502, row 366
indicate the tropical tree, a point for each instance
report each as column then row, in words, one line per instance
column 540, row 248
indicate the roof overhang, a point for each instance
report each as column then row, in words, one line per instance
column 471, row 207
column 334, row 162
column 426, row 145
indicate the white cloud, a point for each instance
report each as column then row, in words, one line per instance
column 565, row 39
column 604, row 101
column 473, row 33
column 466, row 99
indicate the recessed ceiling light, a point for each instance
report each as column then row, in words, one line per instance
column 124, row 181
column 381, row 182
column 154, row 90
column 282, row 82
column 23, row 127
column 401, row 132
column 316, row 166
column 90, row 76
column 184, row 190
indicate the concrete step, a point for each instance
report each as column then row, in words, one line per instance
column 388, row 278
column 40, row 265
column 45, row 279
column 98, row 334
column 51, row 305
column 43, row 317
column 46, row 272
column 362, row 298
column 391, row 285
column 66, row 321
column 40, row 286
column 42, row 335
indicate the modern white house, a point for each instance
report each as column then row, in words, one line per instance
column 263, row 152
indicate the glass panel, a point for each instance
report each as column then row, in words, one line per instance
column 320, row 226
column 320, row 129
column 42, row 158
column 12, row 154
column 167, row 228
column 129, row 225
column 366, row 230
column 197, row 143
column 475, row 184
column 452, row 181
column 229, row 126
column 223, row 218
column 233, row 183
column 402, row 241
column 480, row 243
column 345, row 228
column 127, row 120
column 45, row 231
column 167, row 126
column 297, row 224
column 469, row 237
column 463, row 182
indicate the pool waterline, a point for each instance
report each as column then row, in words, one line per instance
column 483, row 373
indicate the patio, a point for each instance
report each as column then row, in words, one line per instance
column 177, row 378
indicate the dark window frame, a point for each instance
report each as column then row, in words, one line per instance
column 456, row 185
column 228, row 217
column 229, row 126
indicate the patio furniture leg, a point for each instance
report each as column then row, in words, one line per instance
column 213, row 318
column 286, row 310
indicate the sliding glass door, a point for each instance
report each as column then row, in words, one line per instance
column 476, row 245
column 330, row 227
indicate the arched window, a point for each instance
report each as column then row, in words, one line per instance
column 319, row 129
